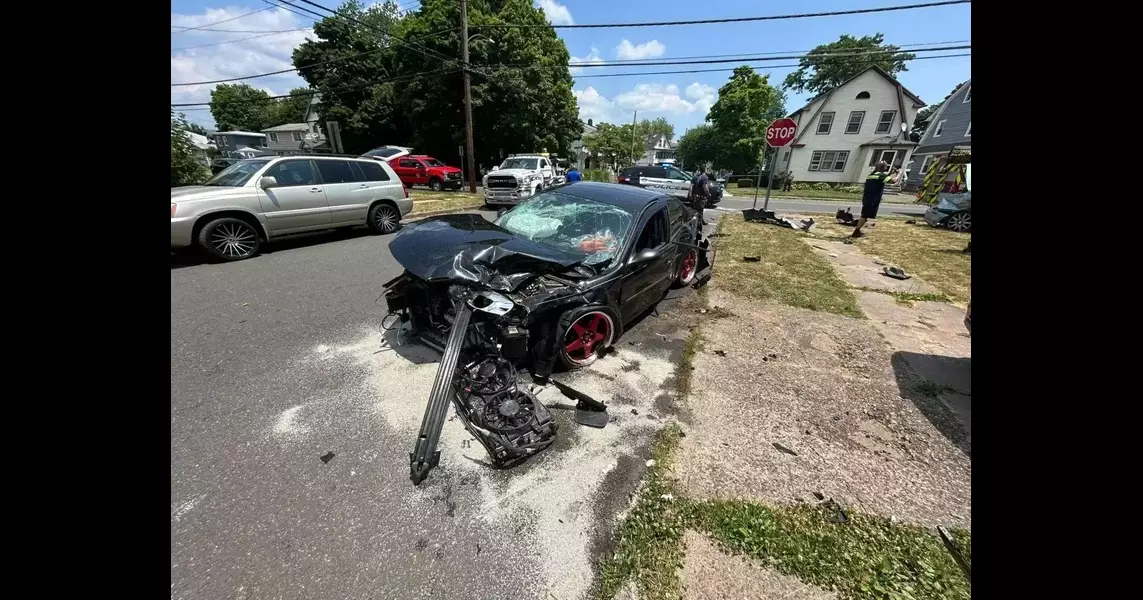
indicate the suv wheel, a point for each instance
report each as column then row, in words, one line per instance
column 383, row 218
column 229, row 239
column 961, row 221
column 436, row 185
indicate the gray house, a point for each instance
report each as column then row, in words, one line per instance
column 949, row 129
column 288, row 139
column 234, row 141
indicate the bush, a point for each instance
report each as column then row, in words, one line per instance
column 745, row 182
column 597, row 175
column 851, row 189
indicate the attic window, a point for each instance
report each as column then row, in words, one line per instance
column 863, row 96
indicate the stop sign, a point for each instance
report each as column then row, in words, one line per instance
column 781, row 132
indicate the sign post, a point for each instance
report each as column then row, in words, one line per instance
column 778, row 135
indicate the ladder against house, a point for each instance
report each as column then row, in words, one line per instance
column 937, row 178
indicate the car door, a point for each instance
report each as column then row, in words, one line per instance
column 679, row 182
column 344, row 188
column 406, row 169
column 546, row 169
column 655, row 178
column 348, row 204
column 645, row 281
column 298, row 201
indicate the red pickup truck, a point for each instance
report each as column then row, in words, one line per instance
column 420, row 169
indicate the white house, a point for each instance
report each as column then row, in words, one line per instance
column 656, row 148
column 842, row 133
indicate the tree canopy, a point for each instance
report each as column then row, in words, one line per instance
column 698, row 146
column 185, row 167
column 243, row 107
column 618, row 145
column 830, row 65
column 746, row 106
column 387, row 90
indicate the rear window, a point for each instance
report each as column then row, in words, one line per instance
column 373, row 171
column 335, row 171
column 382, row 152
column 629, row 172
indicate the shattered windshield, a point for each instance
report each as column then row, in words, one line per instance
column 520, row 163
column 571, row 224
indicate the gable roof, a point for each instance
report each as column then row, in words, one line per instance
column 880, row 71
column 941, row 109
column 288, row 127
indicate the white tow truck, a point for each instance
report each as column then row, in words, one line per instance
column 518, row 178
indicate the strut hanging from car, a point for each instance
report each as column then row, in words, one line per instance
column 425, row 455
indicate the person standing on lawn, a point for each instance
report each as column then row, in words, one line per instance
column 871, row 196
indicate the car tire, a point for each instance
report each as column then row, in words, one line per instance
column 229, row 239
column 688, row 268
column 590, row 331
column 384, row 218
column 960, row 222
column 436, row 185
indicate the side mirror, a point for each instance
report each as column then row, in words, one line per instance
column 267, row 182
column 644, row 256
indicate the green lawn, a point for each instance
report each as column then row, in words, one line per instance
column 832, row 195
column 788, row 272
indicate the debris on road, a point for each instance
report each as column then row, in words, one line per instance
column 784, row 449
column 753, row 215
column 895, row 273
column 751, row 259
column 328, row 456
column 651, row 462
column 720, row 352
column 911, row 222
column 844, row 217
column 954, row 549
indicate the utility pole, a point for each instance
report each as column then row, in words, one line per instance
column 471, row 169
column 634, row 126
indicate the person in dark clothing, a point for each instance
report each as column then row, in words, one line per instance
column 871, row 196
column 700, row 190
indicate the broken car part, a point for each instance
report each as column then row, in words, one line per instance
column 895, row 273
column 954, row 549
column 550, row 282
column 588, row 411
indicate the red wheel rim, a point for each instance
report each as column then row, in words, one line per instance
column 586, row 336
column 688, row 267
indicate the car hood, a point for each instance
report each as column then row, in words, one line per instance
column 205, row 192
column 445, row 169
column 468, row 249
column 513, row 172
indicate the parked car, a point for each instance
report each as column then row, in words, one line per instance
column 952, row 211
column 387, row 153
column 421, row 169
column 518, row 178
column 666, row 178
column 256, row 199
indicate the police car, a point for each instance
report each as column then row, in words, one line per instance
column 667, row 178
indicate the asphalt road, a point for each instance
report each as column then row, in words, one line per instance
column 277, row 361
column 781, row 205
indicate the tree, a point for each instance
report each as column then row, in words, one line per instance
column 925, row 115
column 746, row 105
column 527, row 106
column 698, row 147
column 185, row 166
column 239, row 107
column 196, row 128
column 610, row 144
column 818, row 72
column 289, row 110
column 659, row 126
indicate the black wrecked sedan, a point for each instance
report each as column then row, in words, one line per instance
column 563, row 272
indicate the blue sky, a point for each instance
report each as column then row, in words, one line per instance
column 681, row 98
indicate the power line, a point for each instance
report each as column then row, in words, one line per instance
column 835, row 13
column 682, row 60
column 201, row 28
column 334, row 92
column 244, row 30
column 793, row 66
column 763, row 58
column 253, row 37
column 636, row 60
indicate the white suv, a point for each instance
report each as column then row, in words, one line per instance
column 520, row 177
column 256, row 199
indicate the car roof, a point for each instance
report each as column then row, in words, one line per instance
column 630, row 198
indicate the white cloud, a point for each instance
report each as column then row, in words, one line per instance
column 628, row 51
column 659, row 98
column 237, row 59
column 592, row 57
column 592, row 105
column 557, row 13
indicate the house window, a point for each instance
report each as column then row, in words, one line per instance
column 885, row 123
column 786, row 156
column 297, row 136
column 855, row 119
column 925, row 164
column 825, row 123
column 968, row 132
column 862, row 96
column 224, row 141
column 967, row 95
column 940, row 128
column 273, row 137
column 828, row 160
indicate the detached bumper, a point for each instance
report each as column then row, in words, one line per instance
column 935, row 217
column 181, row 230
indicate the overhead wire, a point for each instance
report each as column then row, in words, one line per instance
column 795, row 65
column 398, row 79
column 832, row 13
column 202, row 27
column 253, row 37
column 877, row 53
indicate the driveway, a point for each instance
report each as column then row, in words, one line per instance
column 277, row 361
